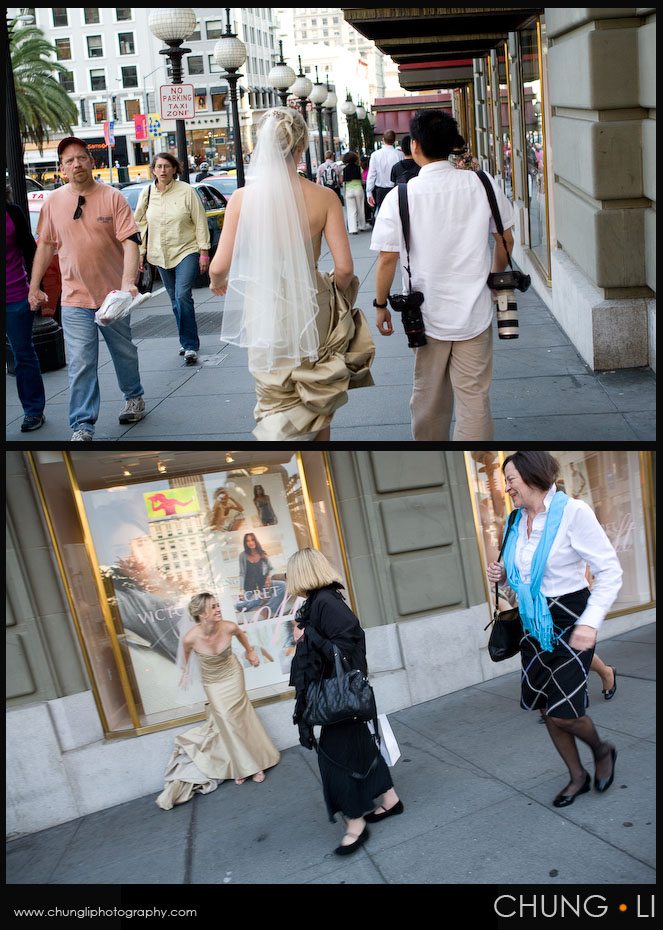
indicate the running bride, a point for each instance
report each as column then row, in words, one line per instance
column 307, row 342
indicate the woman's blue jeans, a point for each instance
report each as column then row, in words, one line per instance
column 29, row 383
column 179, row 282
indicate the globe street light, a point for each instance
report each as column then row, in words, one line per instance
column 173, row 27
column 281, row 77
column 318, row 96
column 301, row 89
column 230, row 53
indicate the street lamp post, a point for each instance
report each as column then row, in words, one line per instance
column 318, row 96
column 281, row 77
column 230, row 53
column 329, row 106
column 173, row 27
column 301, row 89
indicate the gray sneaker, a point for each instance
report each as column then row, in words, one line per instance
column 134, row 410
column 191, row 356
column 82, row 435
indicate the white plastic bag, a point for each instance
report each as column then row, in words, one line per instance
column 388, row 746
column 116, row 305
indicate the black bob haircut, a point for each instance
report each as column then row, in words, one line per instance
column 435, row 132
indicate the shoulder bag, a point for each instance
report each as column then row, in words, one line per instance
column 347, row 695
column 507, row 630
column 145, row 278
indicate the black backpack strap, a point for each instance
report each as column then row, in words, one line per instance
column 405, row 223
column 492, row 200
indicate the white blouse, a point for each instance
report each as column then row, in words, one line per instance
column 580, row 541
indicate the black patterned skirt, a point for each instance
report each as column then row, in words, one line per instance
column 557, row 681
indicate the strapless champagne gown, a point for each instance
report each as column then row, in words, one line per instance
column 230, row 743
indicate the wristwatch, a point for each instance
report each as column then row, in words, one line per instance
column 380, row 306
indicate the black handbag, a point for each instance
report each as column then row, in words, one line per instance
column 347, row 695
column 507, row 630
column 145, row 278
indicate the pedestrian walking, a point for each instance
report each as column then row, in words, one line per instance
column 204, row 172
column 308, row 343
column 92, row 227
column 352, row 769
column 546, row 551
column 406, row 168
column 354, row 194
column 175, row 238
column 378, row 180
column 231, row 742
column 449, row 260
column 19, row 252
column 329, row 175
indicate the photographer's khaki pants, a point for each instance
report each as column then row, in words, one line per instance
column 448, row 371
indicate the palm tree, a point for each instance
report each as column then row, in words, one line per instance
column 43, row 103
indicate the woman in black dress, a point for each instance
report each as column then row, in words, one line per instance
column 352, row 769
column 553, row 539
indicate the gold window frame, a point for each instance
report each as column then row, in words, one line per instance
column 124, row 671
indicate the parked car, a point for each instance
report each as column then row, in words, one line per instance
column 52, row 281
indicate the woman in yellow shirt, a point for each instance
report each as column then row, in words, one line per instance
column 173, row 226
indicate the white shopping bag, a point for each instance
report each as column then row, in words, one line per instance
column 388, row 746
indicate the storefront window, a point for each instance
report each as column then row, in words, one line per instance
column 508, row 180
column 140, row 534
column 536, row 193
column 610, row 482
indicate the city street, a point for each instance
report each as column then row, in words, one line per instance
column 542, row 389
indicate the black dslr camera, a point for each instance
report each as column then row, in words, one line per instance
column 413, row 322
column 505, row 283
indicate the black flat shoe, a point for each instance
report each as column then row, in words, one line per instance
column 602, row 784
column 610, row 692
column 563, row 800
column 353, row 847
column 376, row 818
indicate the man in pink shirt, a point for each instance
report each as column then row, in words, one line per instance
column 92, row 227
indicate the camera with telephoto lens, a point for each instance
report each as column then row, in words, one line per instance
column 409, row 305
column 505, row 282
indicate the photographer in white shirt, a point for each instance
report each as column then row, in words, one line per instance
column 450, row 260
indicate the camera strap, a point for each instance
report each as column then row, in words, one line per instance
column 405, row 223
column 492, row 200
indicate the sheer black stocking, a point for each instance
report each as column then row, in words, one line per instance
column 564, row 733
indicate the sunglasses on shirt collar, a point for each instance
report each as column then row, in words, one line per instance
column 81, row 203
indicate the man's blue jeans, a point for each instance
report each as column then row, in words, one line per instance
column 179, row 282
column 81, row 336
column 29, row 383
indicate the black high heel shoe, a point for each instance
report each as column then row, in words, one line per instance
column 563, row 800
column 602, row 784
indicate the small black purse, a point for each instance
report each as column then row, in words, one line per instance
column 347, row 695
column 507, row 630
column 145, row 278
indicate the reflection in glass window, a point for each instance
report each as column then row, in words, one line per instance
column 534, row 144
column 505, row 120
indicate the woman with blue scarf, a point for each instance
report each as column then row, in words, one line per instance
column 548, row 547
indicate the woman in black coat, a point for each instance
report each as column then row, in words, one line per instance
column 353, row 771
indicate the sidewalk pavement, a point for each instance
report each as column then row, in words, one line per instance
column 477, row 777
column 542, row 389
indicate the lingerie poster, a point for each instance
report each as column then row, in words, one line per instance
column 158, row 544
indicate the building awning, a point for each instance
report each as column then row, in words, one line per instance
column 418, row 36
column 48, row 155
